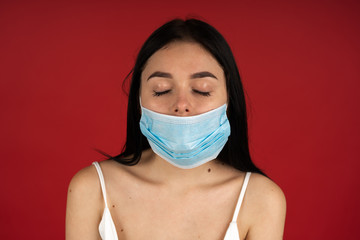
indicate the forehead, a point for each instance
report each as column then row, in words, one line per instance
column 185, row 56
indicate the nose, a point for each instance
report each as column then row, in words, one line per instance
column 182, row 106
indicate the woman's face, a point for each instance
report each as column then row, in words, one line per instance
column 182, row 79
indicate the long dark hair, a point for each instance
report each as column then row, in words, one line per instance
column 236, row 151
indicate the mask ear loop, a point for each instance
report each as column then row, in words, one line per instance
column 226, row 110
column 140, row 105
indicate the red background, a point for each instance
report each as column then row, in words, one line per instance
column 61, row 70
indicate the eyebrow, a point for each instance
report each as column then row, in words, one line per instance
column 202, row 75
column 160, row 74
column 192, row 76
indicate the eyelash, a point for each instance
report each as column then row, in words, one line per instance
column 158, row 94
column 205, row 94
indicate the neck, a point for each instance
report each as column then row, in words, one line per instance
column 160, row 171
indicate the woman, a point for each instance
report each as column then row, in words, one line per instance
column 186, row 171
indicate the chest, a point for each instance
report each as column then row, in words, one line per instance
column 156, row 213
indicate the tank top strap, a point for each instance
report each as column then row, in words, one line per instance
column 102, row 181
column 241, row 197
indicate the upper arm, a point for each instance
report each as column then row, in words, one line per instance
column 84, row 204
column 268, row 211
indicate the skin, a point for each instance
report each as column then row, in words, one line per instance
column 154, row 199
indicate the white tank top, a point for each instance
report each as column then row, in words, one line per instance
column 107, row 228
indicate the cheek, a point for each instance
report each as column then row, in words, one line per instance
column 142, row 92
column 225, row 94
column 224, row 91
column 144, row 96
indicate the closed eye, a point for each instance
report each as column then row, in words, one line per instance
column 158, row 94
column 205, row 94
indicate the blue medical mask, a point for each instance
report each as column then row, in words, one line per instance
column 186, row 142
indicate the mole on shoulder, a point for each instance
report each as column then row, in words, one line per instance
column 209, row 170
column 69, row 190
column 113, row 205
column 122, row 230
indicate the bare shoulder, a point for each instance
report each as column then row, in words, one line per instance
column 266, row 192
column 85, row 183
column 84, row 205
column 266, row 208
